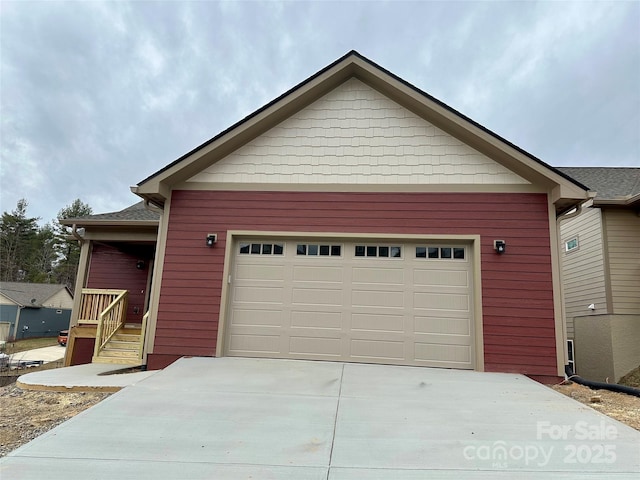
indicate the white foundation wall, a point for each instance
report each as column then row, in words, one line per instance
column 356, row 135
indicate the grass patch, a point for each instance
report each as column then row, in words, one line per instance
column 29, row 344
column 631, row 379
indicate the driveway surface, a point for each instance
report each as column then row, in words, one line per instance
column 236, row 418
column 44, row 354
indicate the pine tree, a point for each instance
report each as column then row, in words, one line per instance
column 18, row 239
column 67, row 247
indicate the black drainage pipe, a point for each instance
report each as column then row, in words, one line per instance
column 614, row 387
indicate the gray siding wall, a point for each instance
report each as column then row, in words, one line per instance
column 622, row 229
column 39, row 322
column 583, row 268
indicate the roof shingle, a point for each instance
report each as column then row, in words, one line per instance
column 30, row 294
column 134, row 213
column 610, row 183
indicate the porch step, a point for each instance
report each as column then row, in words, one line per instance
column 125, row 337
column 118, row 353
column 122, row 349
column 124, row 344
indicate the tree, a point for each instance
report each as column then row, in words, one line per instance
column 43, row 256
column 67, row 247
column 17, row 243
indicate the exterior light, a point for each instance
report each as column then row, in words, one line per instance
column 212, row 238
column 499, row 246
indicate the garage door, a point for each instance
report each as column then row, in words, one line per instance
column 377, row 302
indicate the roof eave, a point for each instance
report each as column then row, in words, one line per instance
column 157, row 187
column 627, row 201
column 109, row 223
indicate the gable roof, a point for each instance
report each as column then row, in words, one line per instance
column 135, row 214
column 30, row 294
column 614, row 185
column 566, row 191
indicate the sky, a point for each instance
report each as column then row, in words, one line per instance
column 96, row 96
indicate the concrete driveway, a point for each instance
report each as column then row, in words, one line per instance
column 44, row 354
column 235, row 418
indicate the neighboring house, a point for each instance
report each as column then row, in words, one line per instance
column 34, row 309
column 601, row 262
column 354, row 218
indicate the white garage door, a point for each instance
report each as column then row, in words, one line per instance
column 378, row 302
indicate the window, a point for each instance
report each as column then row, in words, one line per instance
column 443, row 253
column 571, row 244
column 314, row 250
column 380, row 251
column 261, row 248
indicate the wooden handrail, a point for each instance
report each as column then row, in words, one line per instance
column 110, row 320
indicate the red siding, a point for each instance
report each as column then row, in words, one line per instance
column 113, row 267
column 516, row 287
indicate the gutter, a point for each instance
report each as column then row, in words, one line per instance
column 152, row 208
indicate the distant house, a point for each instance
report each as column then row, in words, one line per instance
column 354, row 218
column 30, row 310
column 601, row 265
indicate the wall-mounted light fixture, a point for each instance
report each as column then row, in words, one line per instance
column 212, row 238
column 140, row 264
column 499, row 246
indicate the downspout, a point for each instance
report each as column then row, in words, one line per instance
column 77, row 236
column 559, row 219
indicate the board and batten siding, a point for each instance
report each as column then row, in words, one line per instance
column 111, row 268
column 517, row 292
column 622, row 229
column 584, row 267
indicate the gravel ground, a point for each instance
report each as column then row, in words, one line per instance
column 27, row 414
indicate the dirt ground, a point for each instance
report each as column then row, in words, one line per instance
column 624, row 408
column 27, row 414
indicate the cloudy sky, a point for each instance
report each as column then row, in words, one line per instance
column 96, row 96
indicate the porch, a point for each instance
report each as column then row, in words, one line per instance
column 102, row 325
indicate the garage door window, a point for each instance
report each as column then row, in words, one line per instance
column 381, row 251
column 261, row 248
column 314, row 250
column 442, row 253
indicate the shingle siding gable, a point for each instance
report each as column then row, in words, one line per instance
column 356, row 135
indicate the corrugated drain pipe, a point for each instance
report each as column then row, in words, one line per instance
column 614, row 387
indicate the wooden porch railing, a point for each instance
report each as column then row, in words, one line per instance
column 106, row 308
column 95, row 301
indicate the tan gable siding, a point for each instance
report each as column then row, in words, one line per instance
column 62, row 299
column 356, row 135
column 6, row 301
column 583, row 269
column 623, row 243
